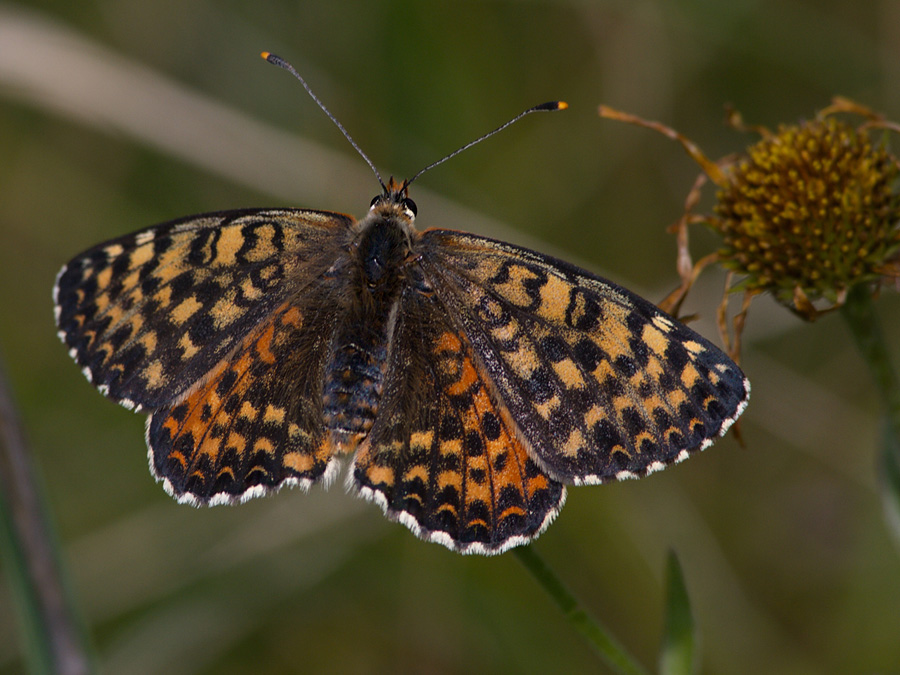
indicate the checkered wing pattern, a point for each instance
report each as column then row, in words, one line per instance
column 600, row 383
column 148, row 314
column 444, row 457
column 206, row 323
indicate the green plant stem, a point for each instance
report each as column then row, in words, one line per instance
column 607, row 646
column 859, row 313
column 53, row 637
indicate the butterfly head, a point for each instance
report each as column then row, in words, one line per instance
column 385, row 236
column 394, row 197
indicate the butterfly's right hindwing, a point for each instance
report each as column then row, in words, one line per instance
column 442, row 457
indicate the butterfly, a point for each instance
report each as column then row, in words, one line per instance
column 469, row 379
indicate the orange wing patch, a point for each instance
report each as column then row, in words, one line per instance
column 230, row 437
column 460, row 475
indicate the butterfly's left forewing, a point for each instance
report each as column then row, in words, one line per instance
column 148, row 314
column 601, row 383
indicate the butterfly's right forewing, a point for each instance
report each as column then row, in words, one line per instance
column 601, row 383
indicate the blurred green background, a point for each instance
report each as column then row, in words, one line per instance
column 118, row 115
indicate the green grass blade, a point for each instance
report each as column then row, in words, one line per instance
column 54, row 640
column 677, row 656
column 600, row 639
column 889, row 481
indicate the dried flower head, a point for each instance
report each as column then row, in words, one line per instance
column 811, row 209
column 806, row 213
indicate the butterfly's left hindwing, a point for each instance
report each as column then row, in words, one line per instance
column 601, row 383
column 218, row 325
column 255, row 423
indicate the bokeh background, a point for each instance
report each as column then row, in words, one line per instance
column 115, row 115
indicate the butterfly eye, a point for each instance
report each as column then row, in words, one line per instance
column 375, row 200
column 410, row 206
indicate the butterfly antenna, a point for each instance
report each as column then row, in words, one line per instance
column 549, row 106
column 281, row 63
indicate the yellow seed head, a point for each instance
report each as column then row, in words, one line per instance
column 812, row 209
